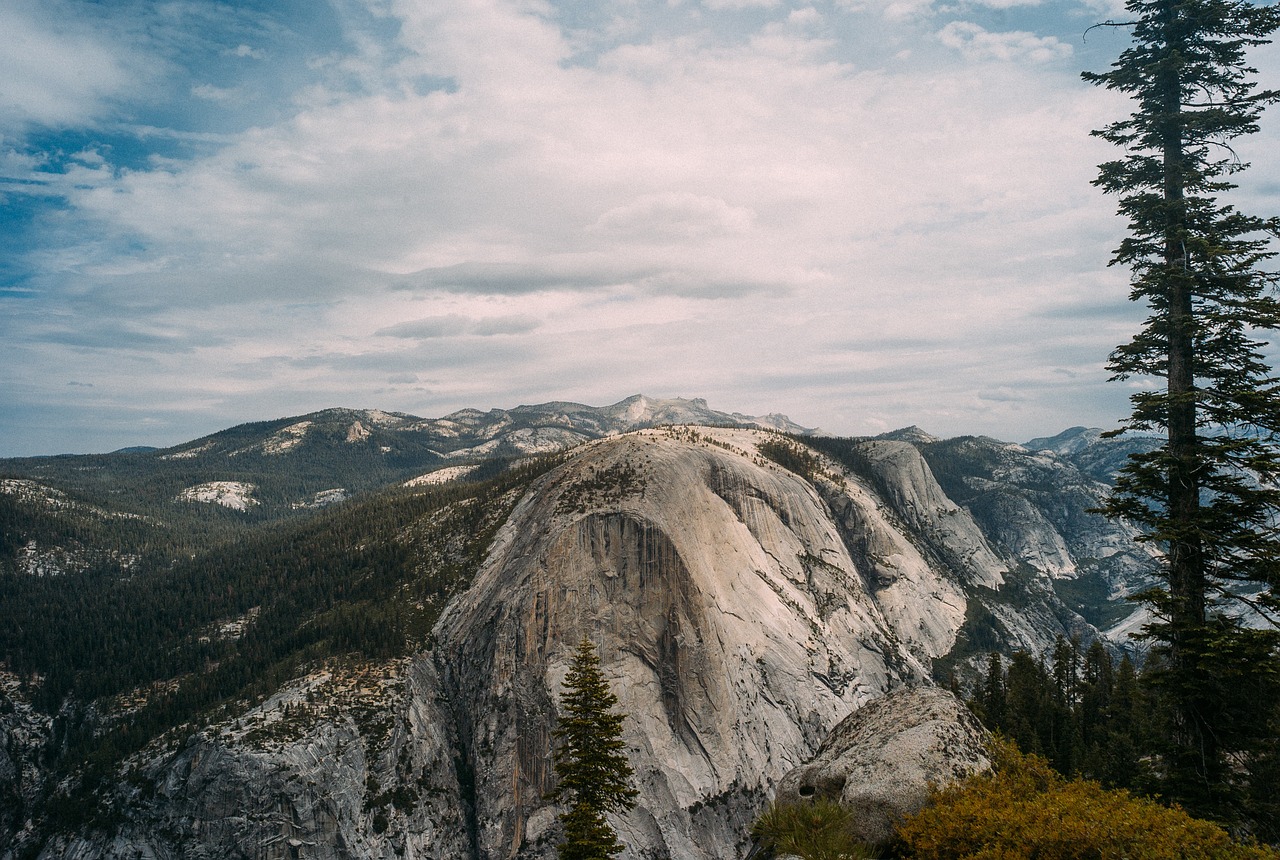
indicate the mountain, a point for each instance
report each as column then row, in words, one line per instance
column 274, row 467
column 378, row 677
column 273, row 470
column 1092, row 452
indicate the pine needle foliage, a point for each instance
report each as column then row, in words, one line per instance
column 590, row 761
column 821, row 830
column 1208, row 496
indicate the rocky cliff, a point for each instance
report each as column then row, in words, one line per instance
column 741, row 610
column 728, row 612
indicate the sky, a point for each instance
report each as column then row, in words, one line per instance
column 864, row 214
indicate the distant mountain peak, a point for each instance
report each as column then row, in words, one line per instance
column 401, row 446
column 1069, row 441
column 912, row 434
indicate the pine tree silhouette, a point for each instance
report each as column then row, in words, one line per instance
column 594, row 774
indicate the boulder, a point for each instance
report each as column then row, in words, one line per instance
column 881, row 759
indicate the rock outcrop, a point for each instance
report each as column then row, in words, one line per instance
column 351, row 765
column 741, row 611
column 728, row 613
column 880, row 761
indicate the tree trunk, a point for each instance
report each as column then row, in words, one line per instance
column 1186, row 558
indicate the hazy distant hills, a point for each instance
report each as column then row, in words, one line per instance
column 268, row 469
column 1093, row 453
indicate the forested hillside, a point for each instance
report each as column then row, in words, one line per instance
column 204, row 619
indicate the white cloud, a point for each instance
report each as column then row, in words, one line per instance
column 768, row 220
column 976, row 43
column 806, row 16
column 57, row 70
column 740, row 4
column 1005, row 4
column 454, row 325
column 676, row 215
column 896, row 11
column 209, row 92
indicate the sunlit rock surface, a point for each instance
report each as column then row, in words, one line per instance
column 734, row 624
column 882, row 759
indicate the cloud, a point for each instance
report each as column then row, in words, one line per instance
column 676, row 214
column 242, row 50
column 517, row 278
column 976, row 43
column 796, row 215
column 896, row 11
column 740, row 4
column 1005, row 4
column 584, row 275
column 58, row 69
column 454, row 325
column 113, row 336
column 211, row 93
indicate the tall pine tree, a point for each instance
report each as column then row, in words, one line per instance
column 1207, row 497
column 594, row 774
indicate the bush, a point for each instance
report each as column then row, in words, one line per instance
column 1025, row 809
column 815, row 831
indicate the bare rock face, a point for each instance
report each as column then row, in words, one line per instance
column 732, row 621
column 333, row 767
column 24, row 732
column 880, row 761
column 909, row 486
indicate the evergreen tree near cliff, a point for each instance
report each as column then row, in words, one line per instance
column 1207, row 497
column 592, row 767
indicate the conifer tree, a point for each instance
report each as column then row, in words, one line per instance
column 593, row 771
column 1207, row 497
column 991, row 696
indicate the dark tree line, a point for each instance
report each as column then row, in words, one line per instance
column 1083, row 712
column 1093, row 716
column 362, row 581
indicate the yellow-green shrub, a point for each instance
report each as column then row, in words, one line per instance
column 1026, row 810
column 814, row 831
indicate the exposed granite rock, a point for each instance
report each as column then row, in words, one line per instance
column 1039, row 510
column 906, row 482
column 358, row 765
column 733, row 624
column 24, row 732
column 880, row 761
